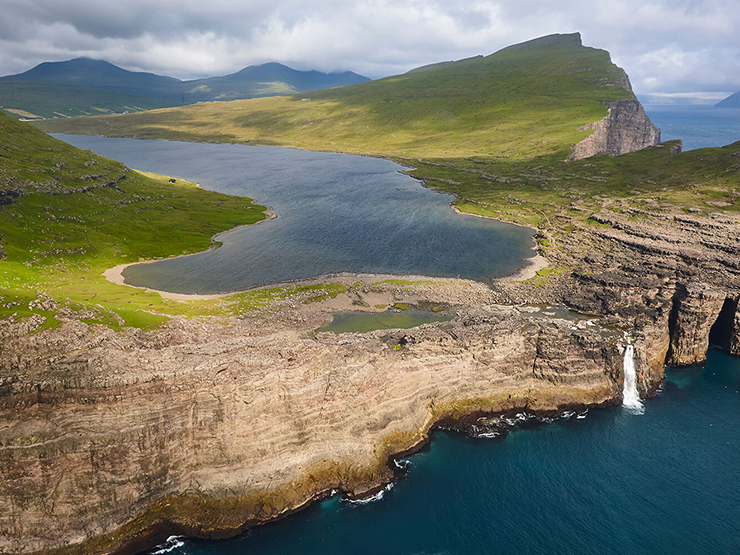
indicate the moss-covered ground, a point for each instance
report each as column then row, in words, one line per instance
column 67, row 215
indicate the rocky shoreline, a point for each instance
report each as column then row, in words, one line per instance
column 112, row 441
column 204, row 428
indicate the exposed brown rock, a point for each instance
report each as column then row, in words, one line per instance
column 626, row 128
column 201, row 428
column 204, row 428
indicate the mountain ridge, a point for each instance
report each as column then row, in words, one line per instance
column 549, row 87
column 152, row 90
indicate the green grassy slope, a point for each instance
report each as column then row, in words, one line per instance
column 90, row 87
column 36, row 99
column 535, row 191
column 67, row 215
column 522, row 101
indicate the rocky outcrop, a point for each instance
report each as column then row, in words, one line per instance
column 110, row 438
column 626, row 128
column 672, row 276
column 695, row 311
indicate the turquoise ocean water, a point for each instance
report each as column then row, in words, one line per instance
column 664, row 481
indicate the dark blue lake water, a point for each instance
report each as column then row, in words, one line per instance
column 336, row 213
column 696, row 126
column 665, row 481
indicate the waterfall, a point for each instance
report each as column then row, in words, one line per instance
column 631, row 398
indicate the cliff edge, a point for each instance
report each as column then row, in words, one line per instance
column 626, row 128
column 114, row 440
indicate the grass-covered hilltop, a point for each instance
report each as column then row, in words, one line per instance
column 67, row 215
column 525, row 100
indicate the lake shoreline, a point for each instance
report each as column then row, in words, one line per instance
column 115, row 274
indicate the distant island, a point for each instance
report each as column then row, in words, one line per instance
column 84, row 86
column 732, row 101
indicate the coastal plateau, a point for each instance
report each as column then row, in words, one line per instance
column 231, row 412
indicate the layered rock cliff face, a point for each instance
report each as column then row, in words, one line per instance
column 675, row 277
column 113, row 439
column 626, row 128
column 202, row 428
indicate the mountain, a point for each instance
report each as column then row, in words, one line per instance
column 732, row 101
column 102, row 75
column 39, row 99
column 525, row 100
column 41, row 91
column 265, row 80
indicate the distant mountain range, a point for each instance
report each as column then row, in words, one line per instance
column 732, row 101
column 85, row 86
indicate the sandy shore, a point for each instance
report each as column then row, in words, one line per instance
column 115, row 274
column 535, row 264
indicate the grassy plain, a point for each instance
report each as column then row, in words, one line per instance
column 66, row 215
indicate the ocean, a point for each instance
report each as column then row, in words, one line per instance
column 696, row 126
column 616, row 481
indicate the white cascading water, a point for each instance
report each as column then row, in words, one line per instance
column 631, row 398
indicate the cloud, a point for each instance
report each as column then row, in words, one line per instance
column 665, row 46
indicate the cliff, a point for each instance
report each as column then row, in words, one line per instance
column 626, row 128
column 674, row 276
column 112, row 439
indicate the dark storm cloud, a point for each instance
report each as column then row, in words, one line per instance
column 676, row 46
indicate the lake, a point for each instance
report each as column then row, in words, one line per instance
column 336, row 213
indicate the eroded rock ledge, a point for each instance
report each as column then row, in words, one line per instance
column 110, row 440
column 203, row 428
column 626, row 128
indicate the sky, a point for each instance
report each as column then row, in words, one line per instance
column 669, row 48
